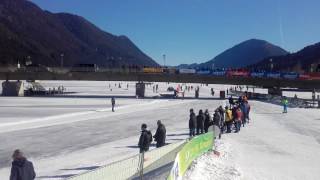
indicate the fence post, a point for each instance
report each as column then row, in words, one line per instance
column 141, row 161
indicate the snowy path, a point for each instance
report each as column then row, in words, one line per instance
column 273, row 146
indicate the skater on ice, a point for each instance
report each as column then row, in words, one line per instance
column 285, row 103
column 113, row 103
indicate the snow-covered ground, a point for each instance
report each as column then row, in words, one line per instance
column 78, row 132
column 68, row 135
column 274, row 146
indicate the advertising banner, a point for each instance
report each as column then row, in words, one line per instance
column 193, row 149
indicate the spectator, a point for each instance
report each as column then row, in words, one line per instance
column 238, row 119
column 228, row 119
column 200, row 122
column 21, row 169
column 231, row 101
column 160, row 136
column 207, row 121
column 222, row 125
column 192, row 123
column 217, row 123
column 145, row 139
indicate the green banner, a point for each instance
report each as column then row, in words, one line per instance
column 193, row 149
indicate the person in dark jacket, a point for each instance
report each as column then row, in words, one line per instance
column 21, row 169
column 145, row 139
column 231, row 101
column 200, row 122
column 222, row 124
column 192, row 123
column 207, row 121
column 160, row 136
column 217, row 123
column 113, row 103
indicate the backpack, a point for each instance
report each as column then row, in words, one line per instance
column 149, row 137
column 229, row 115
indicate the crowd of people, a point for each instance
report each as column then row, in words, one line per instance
column 223, row 120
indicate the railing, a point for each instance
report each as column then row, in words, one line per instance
column 178, row 157
column 132, row 167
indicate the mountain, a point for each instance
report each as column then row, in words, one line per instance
column 305, row 60
column 28, row 32
column 244, row 54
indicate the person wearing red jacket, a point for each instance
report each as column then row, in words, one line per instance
column 238, row 119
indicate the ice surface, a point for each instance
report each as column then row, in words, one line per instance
column 71, row 134
column 78, row 132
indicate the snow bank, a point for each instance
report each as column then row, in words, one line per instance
column 274, row 146
column 213, row 166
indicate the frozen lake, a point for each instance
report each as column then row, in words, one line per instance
column 55, row 131
column 62, row 134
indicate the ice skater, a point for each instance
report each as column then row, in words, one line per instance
column 285, row 103
column 113, row 103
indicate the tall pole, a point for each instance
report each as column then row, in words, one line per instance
column 271, row 65
column 61, row 63
column 164, row 60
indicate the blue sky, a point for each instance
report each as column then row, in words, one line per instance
column 189, row 31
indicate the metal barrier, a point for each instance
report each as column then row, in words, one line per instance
column 160, row 157
column 131, row 168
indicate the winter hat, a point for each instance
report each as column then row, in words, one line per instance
column 17, row 154
column 144, row 126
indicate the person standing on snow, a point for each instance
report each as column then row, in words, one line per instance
column 217, row 123
column 222, row 124
column 200, row 122
column 207, row 121
column 160, row 136
column 238, row 119
column 231, row 101
column 113, row 103
column 247, row 107
column 228, row 119
column 192, row 123
column 21, row 169
column 285, row 103
column 145, row 139
column 243, row 110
